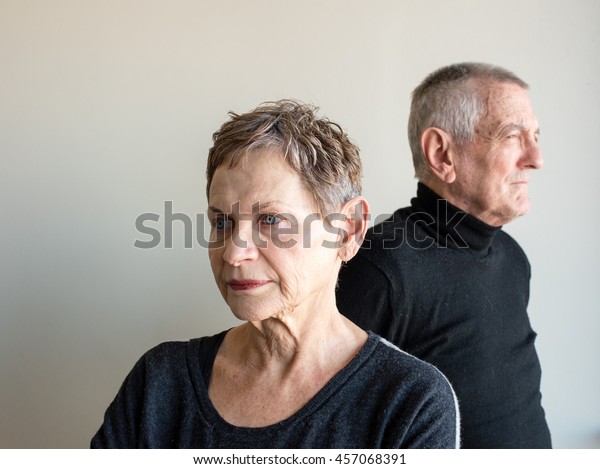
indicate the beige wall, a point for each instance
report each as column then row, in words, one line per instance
column 107, row 110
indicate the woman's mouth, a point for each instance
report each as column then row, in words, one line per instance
column 246, row 284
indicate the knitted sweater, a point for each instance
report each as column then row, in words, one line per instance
column 384, row 398
column 453, row 291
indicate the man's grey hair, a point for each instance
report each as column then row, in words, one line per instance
column 451, row 99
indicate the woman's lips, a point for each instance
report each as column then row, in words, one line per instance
column 246, row 284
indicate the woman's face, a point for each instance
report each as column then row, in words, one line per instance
column 267, row 237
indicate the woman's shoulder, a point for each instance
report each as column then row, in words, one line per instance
column 410, row 390
column 398, row 363
column 177, row 354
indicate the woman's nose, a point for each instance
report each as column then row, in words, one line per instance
column 241, row 245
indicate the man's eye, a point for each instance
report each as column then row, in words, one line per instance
column 271, row 219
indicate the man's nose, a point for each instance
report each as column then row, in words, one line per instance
column 533, row 155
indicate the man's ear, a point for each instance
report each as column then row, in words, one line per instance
column 436, row 146
column 357, row 213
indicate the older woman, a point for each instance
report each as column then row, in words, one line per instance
column 286, row 212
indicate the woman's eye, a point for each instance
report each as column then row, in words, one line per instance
column 271, row 219
column 221, row 223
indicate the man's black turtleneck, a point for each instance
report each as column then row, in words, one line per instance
column 453, row 291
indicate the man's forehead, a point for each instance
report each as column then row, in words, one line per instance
column 503, row 97
column 507, row 104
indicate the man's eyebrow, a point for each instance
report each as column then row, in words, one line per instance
column 515, row 126
column 512, row 126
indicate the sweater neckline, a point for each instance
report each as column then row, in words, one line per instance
column 216, row 421
column 450, row 226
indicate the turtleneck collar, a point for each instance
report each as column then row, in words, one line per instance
column 450, row 226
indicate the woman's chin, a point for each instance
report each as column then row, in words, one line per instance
column 250, row 312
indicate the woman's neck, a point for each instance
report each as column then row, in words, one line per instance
column 297, row 340
column 266, row 372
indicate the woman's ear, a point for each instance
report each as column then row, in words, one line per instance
column 354, row 227
column 436, row 147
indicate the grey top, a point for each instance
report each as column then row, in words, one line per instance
column 384, row 398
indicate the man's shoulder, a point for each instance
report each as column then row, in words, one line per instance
column 387, row 222
column 506, row 242
column 387, row 233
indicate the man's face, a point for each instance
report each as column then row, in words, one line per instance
column 493, row 171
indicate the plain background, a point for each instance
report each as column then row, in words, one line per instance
column 107, row 110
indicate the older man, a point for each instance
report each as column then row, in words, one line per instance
column 440, row 278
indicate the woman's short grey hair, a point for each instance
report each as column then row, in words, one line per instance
column 450, row 99
column 320, row 152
